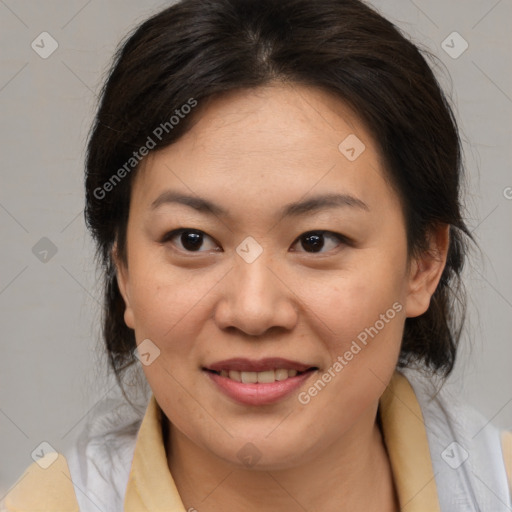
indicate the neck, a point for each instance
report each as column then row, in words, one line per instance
column 354, row 474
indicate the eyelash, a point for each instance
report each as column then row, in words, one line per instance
column 331, row 234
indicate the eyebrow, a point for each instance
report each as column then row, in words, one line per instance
column 300, row 208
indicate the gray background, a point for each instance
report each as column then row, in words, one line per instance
column 52, row 371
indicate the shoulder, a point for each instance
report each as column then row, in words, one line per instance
column 94, row 469
column 447, row 417
column 469, row 453
column 45, row 486
column 101, row 458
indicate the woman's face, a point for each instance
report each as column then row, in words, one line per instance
column 294, row 248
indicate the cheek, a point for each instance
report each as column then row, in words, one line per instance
column 169, row 305
column 355, row 299
column 365, row 317
column 160, row 309
column 365, row 312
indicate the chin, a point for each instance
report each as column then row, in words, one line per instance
column 265, row 454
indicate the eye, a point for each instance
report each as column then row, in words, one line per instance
column 191, row 240
column 315, row 241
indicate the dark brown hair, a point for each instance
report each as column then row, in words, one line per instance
column 196, row 49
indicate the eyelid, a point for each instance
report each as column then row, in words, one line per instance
column 341, row 238
column 176, row 232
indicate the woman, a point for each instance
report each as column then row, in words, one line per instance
column 274, row 188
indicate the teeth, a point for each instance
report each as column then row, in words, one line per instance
column 249, row 377
column 268, row 376
column 281, row 374
column 235, row 375
column 265, row 377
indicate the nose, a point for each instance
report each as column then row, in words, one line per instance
column 255, row 299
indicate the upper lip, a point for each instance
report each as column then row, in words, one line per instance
column 260, row 365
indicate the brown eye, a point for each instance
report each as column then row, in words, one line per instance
column 189, row 240
column 315, row 241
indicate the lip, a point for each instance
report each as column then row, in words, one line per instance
column 252, row 365
column 259, row 393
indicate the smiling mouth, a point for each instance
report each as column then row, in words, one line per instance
column 256, row 382
column 264, row 377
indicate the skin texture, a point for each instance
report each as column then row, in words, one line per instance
column 252, row 152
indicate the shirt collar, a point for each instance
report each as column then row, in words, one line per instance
column 151, row 486
column 406, row 442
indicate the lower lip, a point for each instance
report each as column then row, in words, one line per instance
column 261, row 393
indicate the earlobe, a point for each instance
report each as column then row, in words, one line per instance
column 124, row 287
column 426, row 270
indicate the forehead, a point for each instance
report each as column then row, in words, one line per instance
column 282, row 141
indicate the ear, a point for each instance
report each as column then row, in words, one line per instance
column 123, row 283
column 426, row 270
